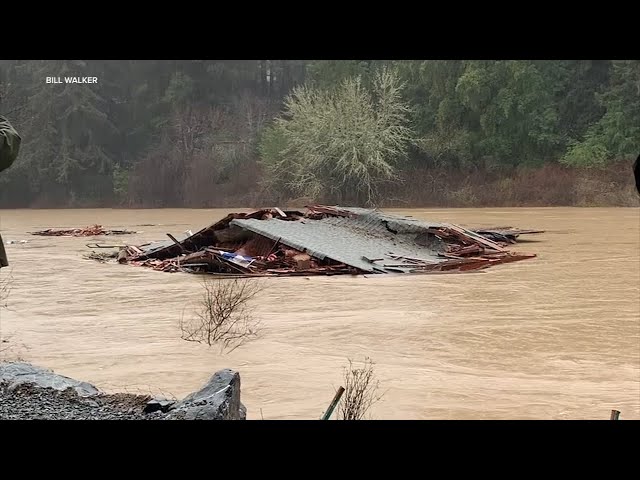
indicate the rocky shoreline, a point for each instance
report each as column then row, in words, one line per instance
column 28, row 392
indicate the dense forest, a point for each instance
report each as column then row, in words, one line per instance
column 206, row 133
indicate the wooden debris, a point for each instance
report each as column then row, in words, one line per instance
column 227, row 248
column 122, row 256
column 176, row 242
column 303, row 261
column 506, row 235
column 90, row 231
column 334, row 404
column 101, row 257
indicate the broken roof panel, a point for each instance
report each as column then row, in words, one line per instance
column 353, row 240
column 150, row 249
column 204, row 236
column 322, row 239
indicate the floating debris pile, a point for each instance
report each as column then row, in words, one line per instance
column 323, row 240
column 91, row 231
column 505, row 235
column 103, row 257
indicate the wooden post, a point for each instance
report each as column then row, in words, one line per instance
column 615, row 415
column 182, row 249
column 334, row 402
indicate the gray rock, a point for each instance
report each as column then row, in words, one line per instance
column 219, row 399
column 30, row 392
column 158, row 404
column 15, row 374
column 27, row 402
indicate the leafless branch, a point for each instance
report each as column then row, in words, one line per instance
column 5, row 288
column 224, row 317
column 361, row 391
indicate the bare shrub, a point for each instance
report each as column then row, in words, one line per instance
column 224, row 316
column 9, row 350
column 361, row 391
column 5, row 288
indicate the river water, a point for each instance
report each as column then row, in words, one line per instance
column 555, row 337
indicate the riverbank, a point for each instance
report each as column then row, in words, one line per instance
column 549, row 185
column 28, row 402
column 28, row 392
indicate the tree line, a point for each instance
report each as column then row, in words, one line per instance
column 204, row 133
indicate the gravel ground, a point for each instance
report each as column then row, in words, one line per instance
column 27, row 402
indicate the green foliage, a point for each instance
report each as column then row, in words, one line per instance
column 343, row 142
column 180, row 89
column 448, row 147
column 514, row 108
column 329, row 74
column 617, row 132
column 588, row 153
column 120, row 182
column 164, row 133
column 279, row 177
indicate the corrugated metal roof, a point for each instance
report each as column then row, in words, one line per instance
column 347, row 240
column 154, row 247
column 375, row 221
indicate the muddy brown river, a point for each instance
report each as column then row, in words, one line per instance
column 554, row 337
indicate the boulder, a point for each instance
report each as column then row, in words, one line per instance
column 158, row 404
column 219, row 399
column 19, row 373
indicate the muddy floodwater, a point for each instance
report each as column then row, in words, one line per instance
column 554, row 337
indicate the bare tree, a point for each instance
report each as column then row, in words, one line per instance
column 224, row 317
column 361, row 391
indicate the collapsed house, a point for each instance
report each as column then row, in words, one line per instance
column 322, row 240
